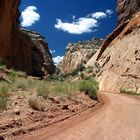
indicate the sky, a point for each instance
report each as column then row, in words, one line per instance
column 64, row 21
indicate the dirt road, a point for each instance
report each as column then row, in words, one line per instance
column 118, row 119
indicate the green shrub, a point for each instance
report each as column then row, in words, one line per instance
column 89, row 69
column 32, row 83
column 23, row 84
column 90, row 87
column 128, row 91
column 3, row 103
column 122, row 90
column 74, row 72
column 60, row 88
column 64, row 89
column 4, row 89
column 3, row 96
column 36, row 104
column 12, row 75
column 42, row 89
column 55, row 77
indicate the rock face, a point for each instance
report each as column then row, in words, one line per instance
column 126, row 9
column 17, row 49
column 119, row 55
column 41, row 56
column 78, row 54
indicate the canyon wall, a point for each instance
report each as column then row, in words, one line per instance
column 17, row 49
column 78, row 54
column 119, row 55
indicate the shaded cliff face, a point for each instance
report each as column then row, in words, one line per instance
column 126, row 9
column 41, row 57
column 17, row 49
column 9, row 26
column 119, row 55
column 78, row 54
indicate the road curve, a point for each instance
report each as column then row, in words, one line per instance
column 118, row 119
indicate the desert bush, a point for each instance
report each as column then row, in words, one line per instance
column 128, row 91
column 43, row 89
column 74, row 72
column 3, row 103
column 60, row 88
column 55, row 77
column 90, row 87
column 22, row 84
column 4, row 89
column 89, row 69
column 122, row 90
column 12, row 75
column 36, row 103
column 3, row 96
column 32, row 83
column 65, row 90
column 64, row 87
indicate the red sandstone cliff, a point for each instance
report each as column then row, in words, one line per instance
column 78, row 54
column 119, row 55
column 17, row 50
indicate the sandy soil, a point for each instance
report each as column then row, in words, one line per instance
column 20, row 118
column 118, row 119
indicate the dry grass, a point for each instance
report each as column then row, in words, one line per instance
column 23, row 84
column 43, row 89
column 3, row 96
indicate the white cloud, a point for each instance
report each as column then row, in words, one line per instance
column 29, row 16
column 99, row 15
column 82, row 25
column 109, row 12
column 58, row 59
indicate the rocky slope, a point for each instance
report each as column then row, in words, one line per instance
column 78, row 54
column 119, row 55
column 17, row 49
